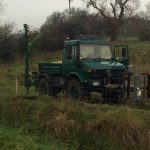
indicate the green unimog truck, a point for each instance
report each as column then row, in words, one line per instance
column 88, row 65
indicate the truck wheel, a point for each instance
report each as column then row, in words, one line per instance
column 75, row 90
column 43, row 87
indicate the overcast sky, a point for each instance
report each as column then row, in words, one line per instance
column 34, row 12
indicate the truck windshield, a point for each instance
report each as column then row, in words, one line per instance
column 88, row 51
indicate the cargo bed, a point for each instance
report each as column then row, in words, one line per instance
column 52, row 68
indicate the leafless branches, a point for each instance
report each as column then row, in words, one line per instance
column 2, row 6
column 114, row 11
column 114, row 8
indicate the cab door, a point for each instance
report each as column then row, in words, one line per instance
column 121, row 53
column 71, row 58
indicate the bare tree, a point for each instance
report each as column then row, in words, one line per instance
column 70, row 6
column 148, row 6
column 114, row 12
column 5, row 31
column 70, row 3
column 2, row 6
column 148, row 10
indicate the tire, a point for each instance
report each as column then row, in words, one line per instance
column 43, row 87
column 75, row 90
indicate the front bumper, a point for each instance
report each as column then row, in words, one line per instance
column 114, row 86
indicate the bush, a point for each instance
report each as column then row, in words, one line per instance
column 85, row 126
column 144, row 34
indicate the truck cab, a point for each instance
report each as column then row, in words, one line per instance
column 88, row 65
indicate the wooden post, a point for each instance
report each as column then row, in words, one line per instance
column 144, row 87
column 148, row 85
column 16, row 85
column 128, row 85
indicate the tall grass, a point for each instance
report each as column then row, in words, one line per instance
column 77, row 125
column 12, row 139
column 83, row 125
column 139, row 54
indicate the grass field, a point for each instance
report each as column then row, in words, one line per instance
column 139, row 54
column 46, row 123
column 13, row 139
column 78, row 125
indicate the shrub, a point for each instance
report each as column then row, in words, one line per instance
column 144, row 34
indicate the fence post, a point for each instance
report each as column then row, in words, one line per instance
column 128, row 85
column 137, row 87
column 16, row 85
column 144, row 86
column 148, row 85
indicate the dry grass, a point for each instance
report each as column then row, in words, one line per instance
column 78, row 124
column 91, row 125
column 124, row 128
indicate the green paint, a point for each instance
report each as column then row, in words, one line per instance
column 26, row 81
column 73, row 65
column 82, row 59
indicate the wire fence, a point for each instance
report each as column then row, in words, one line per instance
column 136, row 88
column 139, row 88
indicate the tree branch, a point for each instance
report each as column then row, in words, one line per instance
column 122, row 8
column 101, row 11
column 114, row 11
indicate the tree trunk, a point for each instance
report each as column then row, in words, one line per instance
column 114, row 35
column 113, row 27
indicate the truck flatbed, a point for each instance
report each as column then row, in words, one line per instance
column 51, row 68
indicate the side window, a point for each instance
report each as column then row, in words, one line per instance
column 121, row 51
column 71, row 53
column 74, row 52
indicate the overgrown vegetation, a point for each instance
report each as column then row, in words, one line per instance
column 60, row 25
column 79, row 125
column 47, row 123
column 13, row 139
column 139, row 54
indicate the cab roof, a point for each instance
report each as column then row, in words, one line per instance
column 88, row 41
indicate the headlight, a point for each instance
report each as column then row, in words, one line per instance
column 89, row 70
column 96, row 83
